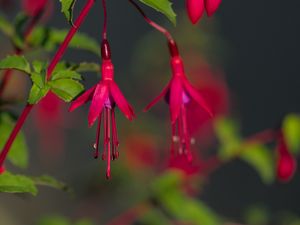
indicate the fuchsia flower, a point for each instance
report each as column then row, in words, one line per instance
column 286, row 163
column 196, row 8
column 105, row 96
column 179, row 92
column 33, row 7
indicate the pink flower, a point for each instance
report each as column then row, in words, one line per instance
column 105, row 96
column 179, row 92
column 33, row 7
column 196, row 8
column 286, row 164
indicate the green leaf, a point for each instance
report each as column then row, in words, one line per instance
column 66, row 74
column 18, row 37
column 18, row 154
column 163, row 6
column 154, row 217
column 86, row 67
column 84, row 222
column 16, row 62
column 50, row 182
column 37, row 93
column 257, row 215
column 5, row 26
column 291, row 131
column 66, row 89
column 10, row 183
column 260, row 158
column 67, row 7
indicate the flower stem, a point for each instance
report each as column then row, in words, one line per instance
column 104, row 32
column 50, row 69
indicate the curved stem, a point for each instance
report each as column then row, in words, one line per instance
column 50, row 69
column 104, row 32
column 161, row 29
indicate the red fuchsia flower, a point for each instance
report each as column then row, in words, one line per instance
column 105, row 96
column 178, row 93
column 196, row 8
column 286, row 163
column 33, row 7
column 2, row 169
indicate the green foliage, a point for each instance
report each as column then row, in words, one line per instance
column 50, row 38
column 50, row 182
column 5, row 26
column 10, row 183
column 291, row 131
column 16, row 62
column 257, row 215
column 162, row 6
column 18, row 154
column 67, row 7
column 60, row 220
column 167, row 192
column 255, row 154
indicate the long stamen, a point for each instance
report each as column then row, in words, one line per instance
column 115, row 141
column 108, row 141
column 186, row 133
column 104, row 153
column 96, row 146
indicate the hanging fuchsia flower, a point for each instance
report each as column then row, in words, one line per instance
column 179, row 92
column 33, row 7
column 196, row 8
column 105, row 96
column 286, row 164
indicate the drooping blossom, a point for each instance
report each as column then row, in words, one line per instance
column 104, row 97
column 178, row 93
column 196, row 8
column 33, row 7
column 286, row 163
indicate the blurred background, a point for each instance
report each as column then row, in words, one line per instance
column 243, row 59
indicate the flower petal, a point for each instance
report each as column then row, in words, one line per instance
column 100, row 96
column 211, row 6
column 121, row 102
column 196, row 96
column 176, row 98
column 195, row 9
column 156, row 99
column 82, row 99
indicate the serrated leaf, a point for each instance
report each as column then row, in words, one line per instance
column 5, row 26
column 65, row 74
column 162, row 6
column 67, row 7
column 18, row 154
column 66, row 89
column 261, row 159
column 16, row 62
column 39, row 66
column 291, row 131
column 36, row 93
column 10, row 183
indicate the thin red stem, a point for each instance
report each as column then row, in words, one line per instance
column 161, row 29
column 104, row 32
column 50, row 69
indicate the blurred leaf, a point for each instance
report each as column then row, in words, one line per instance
column 162, row 6
column 168, row 193
column 18, row 37
column 227, row 132
column 16, row 62
column 291, row 131
column 86, row 67
column 66, row 89
column 262, row 159
column 49, row 181
column 257, row 215
column 84, row 222
column 54, row 220
column 18, row 154
column 5, row 26
column 16, row 184
column 154, row 217
column 67, row 7
column 49, row 38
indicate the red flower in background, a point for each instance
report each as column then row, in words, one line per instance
column 2, row 169
column 105, row 96
column 196, row 8
column 286, row 163
column 33, row 7
column 179, row 92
